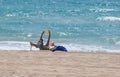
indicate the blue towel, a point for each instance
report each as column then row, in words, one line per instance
column 59, row 48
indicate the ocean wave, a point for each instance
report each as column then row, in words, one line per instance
column 108, row 18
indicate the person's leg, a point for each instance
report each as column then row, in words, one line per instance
column 33, row 44
column 49, row 35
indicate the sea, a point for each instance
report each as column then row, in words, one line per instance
column 78, row 25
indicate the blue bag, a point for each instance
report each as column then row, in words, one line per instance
column 59, row 48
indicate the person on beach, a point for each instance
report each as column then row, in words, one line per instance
column 40, row 44
column 48, row 45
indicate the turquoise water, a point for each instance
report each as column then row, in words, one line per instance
column 81, row 25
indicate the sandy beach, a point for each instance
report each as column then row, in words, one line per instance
column 58, row 64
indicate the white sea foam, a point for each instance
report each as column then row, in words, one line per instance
column 29, row 35
column 17, row 45
column 102, row 10
column 88, row 48
column 117, row 43
column 109, row 18
column 10, row 15
column 63, row 34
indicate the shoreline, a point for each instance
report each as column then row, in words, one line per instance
column 58, row 64
column 72, row 51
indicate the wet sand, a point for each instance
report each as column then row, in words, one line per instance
column 59, row 64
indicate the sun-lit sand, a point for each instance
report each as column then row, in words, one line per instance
column 58, row 64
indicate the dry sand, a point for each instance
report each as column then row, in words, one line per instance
column 58, row 64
